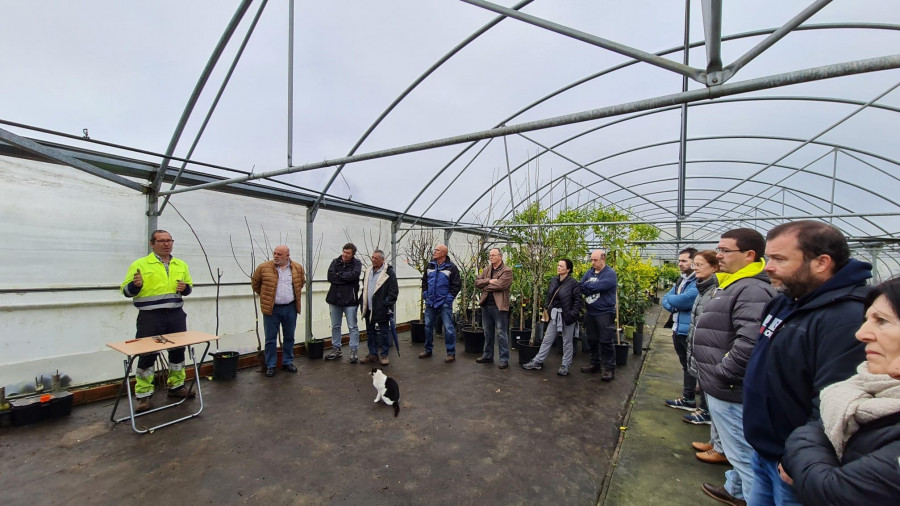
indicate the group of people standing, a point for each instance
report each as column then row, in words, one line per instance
column 800, row 399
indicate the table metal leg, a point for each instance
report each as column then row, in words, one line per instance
column 132, row 415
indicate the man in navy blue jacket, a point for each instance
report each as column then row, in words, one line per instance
column 806, row 342
column 440, row 285
column 679, row 301
column 599, row 289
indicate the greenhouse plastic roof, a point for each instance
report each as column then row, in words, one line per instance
column 789, row 108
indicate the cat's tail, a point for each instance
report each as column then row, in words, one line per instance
column 396, row 408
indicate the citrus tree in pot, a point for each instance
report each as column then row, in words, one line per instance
column 531, row 256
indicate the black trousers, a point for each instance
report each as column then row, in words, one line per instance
column 600, row 336
column 161, row 321
column 689, row 383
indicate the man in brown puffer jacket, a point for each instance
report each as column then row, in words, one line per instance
column 279, row 283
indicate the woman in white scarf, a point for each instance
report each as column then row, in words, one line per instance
column 852, row 455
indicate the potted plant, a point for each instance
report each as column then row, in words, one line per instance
column 468, row 264
column 530, row 255
column 519, row 316
column 315, row 348
column 417, row 251
column 635, row 276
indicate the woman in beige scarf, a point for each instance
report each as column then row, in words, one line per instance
column 852, row 456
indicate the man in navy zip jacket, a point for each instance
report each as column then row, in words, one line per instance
column 440, row 285
column 806, row 342
column 599, row 289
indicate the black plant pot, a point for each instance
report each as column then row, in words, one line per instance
column 637, row 345
column 417, row 331
column 527, row 351
column 225, row 365
column 622, row 353
column 516, row 334
column 474, row 339
column 315, row 350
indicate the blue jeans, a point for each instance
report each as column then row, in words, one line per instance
column 350, row 313
column 729, row 420
column 446, row 312
column 379, row 336
column 496, row 322
column 284, row 315
column 768, row 487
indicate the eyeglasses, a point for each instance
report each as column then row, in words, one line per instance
column 726, row 250
column 164, row 241
column 698, row 266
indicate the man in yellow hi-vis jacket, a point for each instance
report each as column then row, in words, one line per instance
column 157, row 283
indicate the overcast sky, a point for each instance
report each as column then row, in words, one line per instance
column 125, row 71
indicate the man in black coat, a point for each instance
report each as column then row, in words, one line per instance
column 378, row 297
column 806, row 342
column 343, row 299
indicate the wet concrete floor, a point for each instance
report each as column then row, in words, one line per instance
column 467, row 434
column 656, row 464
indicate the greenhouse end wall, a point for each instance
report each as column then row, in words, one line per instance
column 71, row 237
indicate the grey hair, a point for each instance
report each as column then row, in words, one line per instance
column 378, row 252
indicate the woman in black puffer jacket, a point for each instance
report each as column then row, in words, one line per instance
column 563, row 302
column 850, row 455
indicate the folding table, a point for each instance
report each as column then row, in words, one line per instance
column 133, row 348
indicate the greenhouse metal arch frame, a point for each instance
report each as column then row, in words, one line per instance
column 714, row 76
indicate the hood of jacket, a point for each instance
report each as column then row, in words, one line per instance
column 752, row 270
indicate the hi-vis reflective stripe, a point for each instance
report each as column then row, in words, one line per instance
column 176, row 366
column 164, row 301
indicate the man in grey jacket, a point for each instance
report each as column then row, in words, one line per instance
column 725, row 335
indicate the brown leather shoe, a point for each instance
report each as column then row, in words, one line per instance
column 425, row 354
column 370, row 359
column 591, row 370
column 722, row 495
column 607, row 376
column 384, row 360
column 182, row 393
column 449, row 359
column 143, row 404
column 712, row 457
column 701, row 447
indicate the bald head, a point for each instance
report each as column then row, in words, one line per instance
column 440, row 253
column 598, row 259
column 281, row 255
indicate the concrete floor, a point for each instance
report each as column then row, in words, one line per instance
column 656, row 464
column 467, row 434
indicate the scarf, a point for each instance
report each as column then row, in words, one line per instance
column 862, row 398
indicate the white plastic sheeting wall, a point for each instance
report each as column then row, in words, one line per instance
column 69, row 238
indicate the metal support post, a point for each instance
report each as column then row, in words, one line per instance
column 682, row 139
column 290, row 97
column 310, row 218
column 395, row 226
